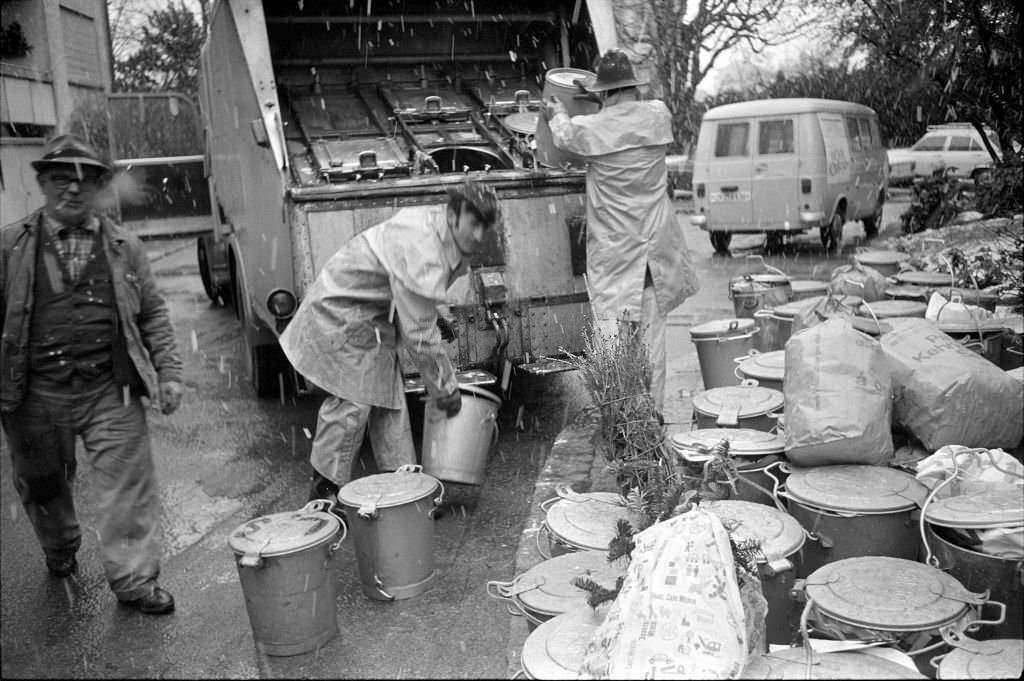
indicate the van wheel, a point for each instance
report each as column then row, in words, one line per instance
column 873, row 222
column 721, row 241
column 832, row 233
column 773, row 242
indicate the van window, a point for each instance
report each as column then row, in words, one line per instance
column 853, row 133
column 933, row 143
column 959, row 143
column 775, row 137
column 867, row 139
column 732, row 139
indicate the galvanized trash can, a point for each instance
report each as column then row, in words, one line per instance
column 878, row 598
column 944, row 518
column 577, row 521
column 555, row 649
column 754, row 451
column 781, row 539
column 854, row 510
column 546, row 590
column 391, row 517
column 285, row 566
column 718, row 343
column 456, row 449
column 994, row 659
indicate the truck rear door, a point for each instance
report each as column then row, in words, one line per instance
column 729, row 177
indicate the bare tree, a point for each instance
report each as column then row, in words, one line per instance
column 683, row 40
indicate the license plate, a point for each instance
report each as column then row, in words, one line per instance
column 723, row 197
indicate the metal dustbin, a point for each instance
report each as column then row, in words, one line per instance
column 755, row 452
column 781, row 539
column 546, row 590
column 555, row 649
column 767, row 368
column 285, row 567
column 899, row 601
column 746, row 405
column 854, row 510
column 575, row 521
column 718, row 343
column 391, row 517
column 948, row 519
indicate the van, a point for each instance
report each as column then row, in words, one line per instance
column 784, row 166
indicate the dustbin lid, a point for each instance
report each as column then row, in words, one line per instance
column 1001, row 658
column 765, row 366
column 889, row 594
column 870, row 258
column 892, row 308
column 547, row 587
column 779, row 534
column 695, row 444
column 861, row 489
column 555, row 649
column 791, row 663
column 722, row 327
column 750, row 400
column 1001, row 506
column 388, row 489
column 280, row 533
column 921, row 278
column 589, row 520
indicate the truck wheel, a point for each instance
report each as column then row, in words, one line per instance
column 832, row 233
column 773, row 242
column 271, row 371
column 721, row 241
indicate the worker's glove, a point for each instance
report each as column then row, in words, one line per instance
column 450, row 403
column 448, row 331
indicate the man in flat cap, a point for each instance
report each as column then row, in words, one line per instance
column 86, row 335
column 638, row 266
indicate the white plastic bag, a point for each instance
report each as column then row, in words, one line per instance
column 680, row 612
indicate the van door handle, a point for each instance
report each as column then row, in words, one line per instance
column 732, row 188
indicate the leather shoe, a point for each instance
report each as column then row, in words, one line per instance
column 62, row 568
column 156, row 602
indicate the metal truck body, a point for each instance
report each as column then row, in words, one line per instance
column 323, row 118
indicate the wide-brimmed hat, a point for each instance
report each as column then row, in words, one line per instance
column 71, row 150
column 614, row 71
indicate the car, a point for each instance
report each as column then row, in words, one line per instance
column 680, row 174
column 957, row 146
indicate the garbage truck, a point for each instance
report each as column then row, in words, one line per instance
column 323, row 118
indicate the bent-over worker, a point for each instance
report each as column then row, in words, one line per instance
column 380, row 291
column 638, row 266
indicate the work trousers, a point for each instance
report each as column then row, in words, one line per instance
column 340, row 427
column 41, row 433
column 652, row 325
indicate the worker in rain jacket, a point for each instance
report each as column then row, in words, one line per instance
column 382, row 290
column 86, row 338
column 638, row 267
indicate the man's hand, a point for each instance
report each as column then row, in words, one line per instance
column 448, row 331
column 450, row 403
column 170, row 396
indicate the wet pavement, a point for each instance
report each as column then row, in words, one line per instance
column 226, row 457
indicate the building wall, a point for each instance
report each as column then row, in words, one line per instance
column 70, row 58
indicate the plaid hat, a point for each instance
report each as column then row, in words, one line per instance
column 614, row 71
column 71, row 150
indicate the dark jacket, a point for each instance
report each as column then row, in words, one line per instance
column 143, row 320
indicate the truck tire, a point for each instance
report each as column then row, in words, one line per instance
column 832, row 233
column 720, row 241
